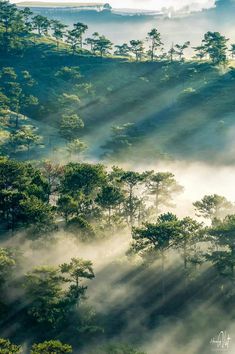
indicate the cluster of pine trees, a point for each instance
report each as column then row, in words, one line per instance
column 21, row 30
column 17, row 99
column 90, row 202
column 20, row 26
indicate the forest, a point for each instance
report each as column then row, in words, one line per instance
column 99, row 253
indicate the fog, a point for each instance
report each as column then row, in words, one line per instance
column 122, row 28
column 148, row 4
column 128, row 294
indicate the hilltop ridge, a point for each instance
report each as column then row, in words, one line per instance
column 67, row 4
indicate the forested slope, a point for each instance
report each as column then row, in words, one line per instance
column 183, row 110
column 102, row 250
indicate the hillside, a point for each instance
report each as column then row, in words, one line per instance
column 117, row 200
column 182, row 110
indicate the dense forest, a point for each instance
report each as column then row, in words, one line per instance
column 97, row 255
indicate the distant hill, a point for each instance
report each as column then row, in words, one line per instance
column 122, row 26
column 64, row 4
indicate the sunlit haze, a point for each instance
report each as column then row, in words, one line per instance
column 150, row 4
column 117, row 169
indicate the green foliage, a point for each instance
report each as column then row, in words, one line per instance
column 157, row 237
column 43, row 289
column 169, row 233
column 6, row 347
column 27, row 14
column 131, row 180
column 16, row 89
column 187, row 240
column 120, row 140
column 223, row 234
column 216, row 46
column 137, row 48
column 232, row 50
column 163, row 187
column 58, row 96
column 102, row 45
column 74, row 36
column 82, row 177
column 69, row 74
column 7, row 264
column 51, row 347
column 155, row 42
column 180, row 48
column 41, row 24
column 78, row 225
column 52, row 173
column 90, row 41
column 77, row 270
column 50, row 303
column 214, row 207
column 12, row 26
column 110, row 198
column 25, row 138
column 38, row 216
column 122, row 50
column 76, row 147
column 23, row 195
column 71, row 126
column 152, row 96
column 66, row 205
column 200, row 52
column 58, row 31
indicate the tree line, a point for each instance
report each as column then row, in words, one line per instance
column 93, row 200
column 83, row 193
column 18, row 26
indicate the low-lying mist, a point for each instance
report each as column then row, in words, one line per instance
column 126, row 295
column 122, row 28
column 198, row 179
